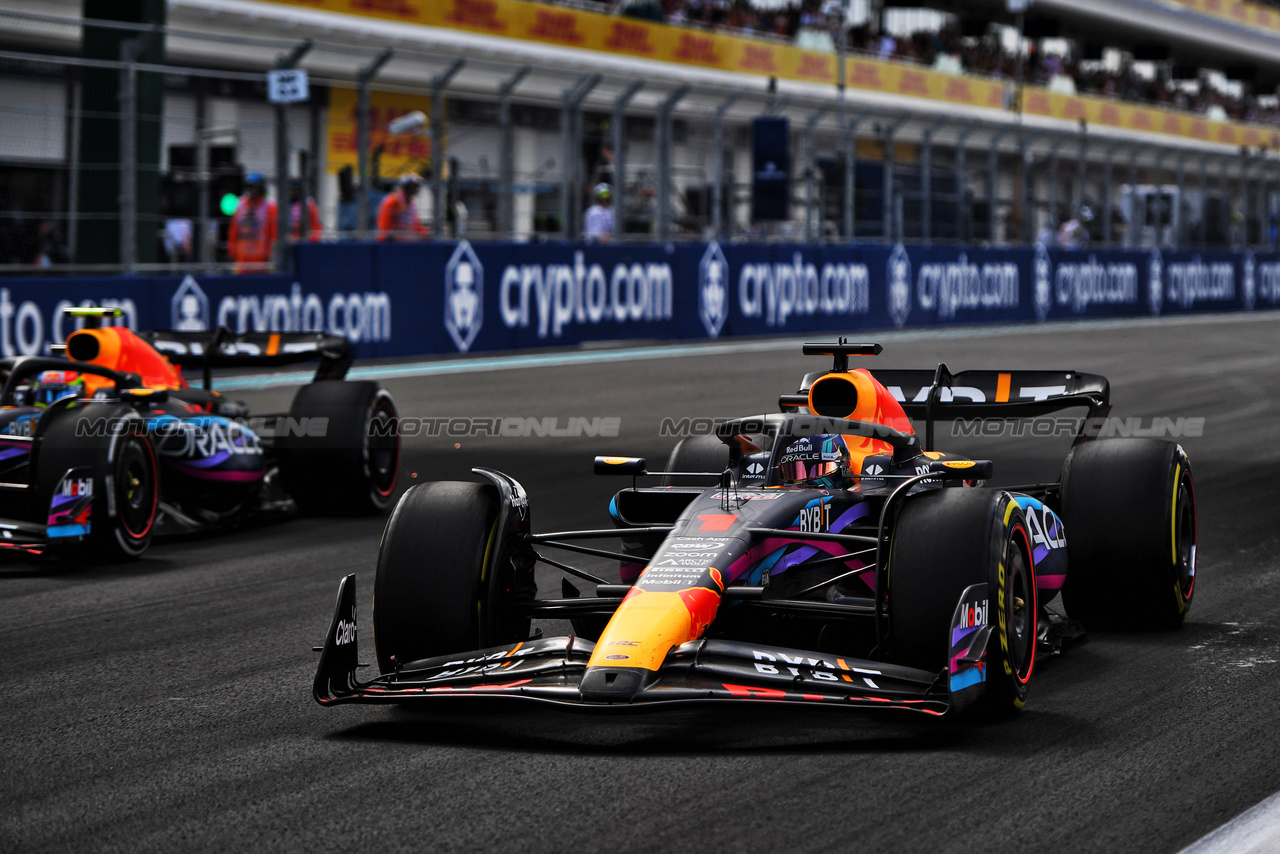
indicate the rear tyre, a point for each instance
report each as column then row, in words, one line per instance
column 944, row 542
column 431, row 594
column 125, row 481
column 1129, row 511
column 353, row 467
column 697, row 453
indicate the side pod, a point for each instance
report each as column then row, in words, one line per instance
column 340, row 655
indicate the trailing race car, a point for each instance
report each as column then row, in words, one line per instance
column 110, row 446
column 831, row 559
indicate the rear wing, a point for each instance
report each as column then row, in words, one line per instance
column 941, row 395
column 225, row 349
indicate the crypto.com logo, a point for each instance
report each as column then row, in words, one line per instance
column 1042, row 273
column 713, row 290
column 898, row 279
column 189, row 308
column 463, row 296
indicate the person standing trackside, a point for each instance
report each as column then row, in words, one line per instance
column 314, row 226
column 597, row 222
column 397, row 216
column 253, row 226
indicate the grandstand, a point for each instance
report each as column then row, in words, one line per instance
column 1157, row 118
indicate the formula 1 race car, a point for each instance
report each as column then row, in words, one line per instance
column 107, row 445
column 830, row 559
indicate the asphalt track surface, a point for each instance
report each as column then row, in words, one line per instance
column 165, row 705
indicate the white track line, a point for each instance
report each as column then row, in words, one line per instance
column 1255, row 831
column 595, row 354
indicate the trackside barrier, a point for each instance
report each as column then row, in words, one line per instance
column 417, row 299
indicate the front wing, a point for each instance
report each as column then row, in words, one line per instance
column 550, row 670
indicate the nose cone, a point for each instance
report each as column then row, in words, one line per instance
column 612, row 684
column 642, row 631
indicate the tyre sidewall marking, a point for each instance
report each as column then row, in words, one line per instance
column 1007, row 539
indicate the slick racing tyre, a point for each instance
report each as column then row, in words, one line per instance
column 697, row 453
column 118, row 466
column 945, row 541
column 351, row 466
column 437, row 589
column 1129, row 511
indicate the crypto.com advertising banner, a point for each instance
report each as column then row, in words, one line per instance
column 417, row 299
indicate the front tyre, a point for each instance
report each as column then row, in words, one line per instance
column 1129, row 512
column 119, row 462
column 436, row 590
column 944, row 542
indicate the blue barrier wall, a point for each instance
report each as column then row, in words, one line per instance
column 413, row 299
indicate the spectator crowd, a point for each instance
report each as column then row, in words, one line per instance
column 815, row 24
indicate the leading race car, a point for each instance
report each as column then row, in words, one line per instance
column 108, row 445
column 832, row 559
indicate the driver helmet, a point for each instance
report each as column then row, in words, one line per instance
column 603, row 192
column 52, row 386
column 821, row 460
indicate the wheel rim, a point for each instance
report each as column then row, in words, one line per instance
column 1186, row 539
column 136, row 488
column 382, row 448
column 1020, row 610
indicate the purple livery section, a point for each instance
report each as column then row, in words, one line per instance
column 1048, row 546
column 208, row 448
column 969, row 632
column 72, row 504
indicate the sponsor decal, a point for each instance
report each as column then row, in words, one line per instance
column 23, row 327
column 463, row 296
column 208, row 438
column 686, row 560
column 713, row 289
column 189, row 307
column 898, row 285
column 1046, row 529
column 696, row 546
column 346, row 632
column 1041, row 272
column 617, row 656
column 747, row 496
column 1155, row 281
column 947, row 287
column 1194, row 281
column 1248, row 281
column 554, row 296
column 779, row 663
column 668, row 576
column 814, row 519
column 1079, row 285
column 76, row 487
column 779, row 291
column 975, row 614
column 1268, row 282
column 358, row 317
